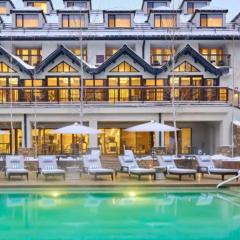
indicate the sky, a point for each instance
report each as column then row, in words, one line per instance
column 232, row 5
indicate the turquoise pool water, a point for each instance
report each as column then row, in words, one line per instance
column 104, row 214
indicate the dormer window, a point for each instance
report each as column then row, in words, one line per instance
column 27, row 21
column 151, row 5
column 3, row 8
column 41, row 5
column 119, row 20
column 73, row 21
column 190, row 7
column 211, row 20
column 165, row 21
column 77, row 4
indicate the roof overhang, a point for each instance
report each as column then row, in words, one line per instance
column 207, row 11
column 183, row 1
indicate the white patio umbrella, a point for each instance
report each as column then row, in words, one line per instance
column 152, row 127
column 76, row 128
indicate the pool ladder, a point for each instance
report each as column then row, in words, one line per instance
column 228, row 181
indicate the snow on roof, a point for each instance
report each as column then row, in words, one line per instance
column 22, row 62
column 212, row 7
column 53, row 18
column 29, row 8
column 86, row 63
column 140, row 17
column 7, row 18
column 96, row 17
column 185, row 18
column 165, row 8
column 70, row 9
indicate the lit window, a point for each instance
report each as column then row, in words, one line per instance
column 151, row 5
column 3, row 8
column 165, row 21
column 32, row 56
column 110, row 52
column 190, row 7
column 63, row 67
column 4, row 68
column 211, row 20
column 73, row 20
column 41, row 5
column 77, row 52
column 214, row 55
column 160, row 56
column 77, row 4
column 27, row 21
column 119, row 21
column 186, row 67
column 124, row 67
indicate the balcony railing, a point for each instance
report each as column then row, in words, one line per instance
column 218, row 59
column 113, row 95
column 160, row 59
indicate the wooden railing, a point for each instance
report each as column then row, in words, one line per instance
column 114, row 95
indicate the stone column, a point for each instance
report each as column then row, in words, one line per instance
column 93, row 139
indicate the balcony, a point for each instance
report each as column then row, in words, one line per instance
column 114, row 95
column 159, row 59
column 218, row 60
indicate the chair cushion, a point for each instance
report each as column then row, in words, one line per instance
column 52, row 171
column 100, row 170
column 18, row 170
column 142, row 170
column 182, row 170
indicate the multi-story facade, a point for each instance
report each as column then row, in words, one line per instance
column 133, row 64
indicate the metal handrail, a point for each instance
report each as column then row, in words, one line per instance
column 228, row 181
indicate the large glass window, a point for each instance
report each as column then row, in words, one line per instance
column 3, row 8
column 77, row 52
column 8, row 94
column 63, row 67
column 73, row 21
column 186, row 67
column 119, row 20
column 41, row 5
column 190, row 7
column 124, row 67
column 155, row 90
column 4, row 68
column 93, row 90
column 27, row 21
column 214, row 55
column 211, row 20
column 160, row 56
column 165, row 21
column 32, row 92
column 32, row 56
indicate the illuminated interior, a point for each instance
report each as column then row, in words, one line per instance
column 155, row 94
column 32, row 95
column 151, row 5
column 77, row 4
column 119, row 20
column 211, row 20
column 95, row 94
column 124, row 67
column 3, row 8
column 73, row 21
column 110, row 52
column 63, row 67
column 4, row 68
column 186, row 67
column 10, row 94
column 41, row 5
column 214, row 55
column 184, row 138
column 165, row 20
column 32, row 56
column 77, row 52
column 27, row 21
column 159, row 56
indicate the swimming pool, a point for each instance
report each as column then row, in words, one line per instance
column 104, row 214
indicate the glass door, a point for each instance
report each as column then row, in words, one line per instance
column 185, row 90
column 124, row 91
column 113, row 92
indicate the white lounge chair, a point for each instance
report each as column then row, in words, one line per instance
column 92, row 165
column 171, row 168
column 129, row 165
column 48, row 167
column 206, row 165
column 15, row 166
column 131, row 154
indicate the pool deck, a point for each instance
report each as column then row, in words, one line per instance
column 122, row 180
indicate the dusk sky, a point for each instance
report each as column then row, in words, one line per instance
column 232, row 5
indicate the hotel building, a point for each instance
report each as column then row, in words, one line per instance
column 136, row 65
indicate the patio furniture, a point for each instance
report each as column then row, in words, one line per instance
column 206, row 166
column 171, row 168
column 48, row 167
column 92, row 165
column 15, row 167
column 130, row 166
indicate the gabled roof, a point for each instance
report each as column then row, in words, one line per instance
column 198, row 58
column 236, row 18
column 61, row 50
column 125, row 50
column 24, row 67
column 183, row 1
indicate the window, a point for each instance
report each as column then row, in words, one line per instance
column 211, row 20
column 31, row 91
column 77, row 4
column 214, row 55
column 160, row 56
column 3, row 8
column 41, row 5
column 27, row 21
column 190, row 7
column 110, row 51
column 73, row 20
column 63, row 67
column 77, row 52
column 119, row 21
column 186, row 67
column 155, row 94
column 151, row 5
column 4, row 68
column 165, row 21
column 32, row 56
column 124, row 67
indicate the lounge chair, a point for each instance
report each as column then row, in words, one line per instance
column 48, row 167
column 171, row 168
column 206, row 166
column 92, row 165
column 131, row 154
column 15, row 167
column 130, row 166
